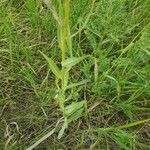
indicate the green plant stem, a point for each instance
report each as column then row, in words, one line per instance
column 67, row 26
column 64, row 40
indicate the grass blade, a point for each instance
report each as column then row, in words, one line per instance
column 41, row 140
column 132, row 124
column 44, row 137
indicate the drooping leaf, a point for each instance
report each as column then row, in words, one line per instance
column 53, row 67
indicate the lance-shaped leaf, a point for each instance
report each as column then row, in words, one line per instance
column 68, row 63
column 70, row 109
column 79, row 113
column 53, row 67
column 77, row 84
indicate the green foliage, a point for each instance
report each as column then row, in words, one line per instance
column 90, row 84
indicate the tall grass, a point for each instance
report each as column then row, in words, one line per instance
column 71, row 110
column 74, row 74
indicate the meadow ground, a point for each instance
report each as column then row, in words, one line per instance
column 78, row 71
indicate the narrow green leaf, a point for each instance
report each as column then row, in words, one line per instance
column 122, row 144
column 118, row 88
column 132, row 124
column 68, row 63
column 53, row 67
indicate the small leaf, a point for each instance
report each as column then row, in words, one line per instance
column 68, row 63
column 77, row 84
column 53, row 67
column 118, row 88
column 76, row 115
column 70, row 109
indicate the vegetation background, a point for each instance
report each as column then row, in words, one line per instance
column 116, row 92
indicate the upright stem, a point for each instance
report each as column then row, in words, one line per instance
column 64, row 35
column 67, row 26
column 64, row 40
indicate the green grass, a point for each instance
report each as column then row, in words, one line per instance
column 74, row 74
